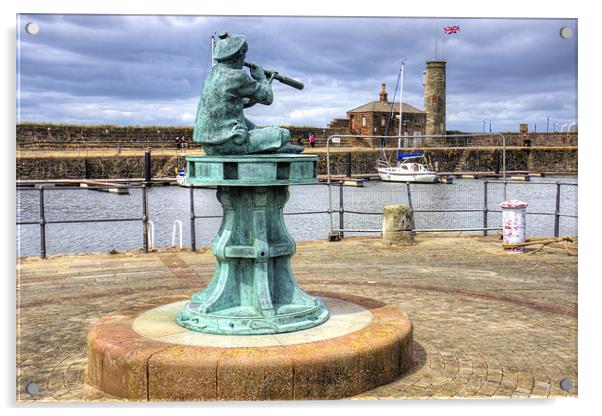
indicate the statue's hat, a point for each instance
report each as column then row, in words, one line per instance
column 228, row 45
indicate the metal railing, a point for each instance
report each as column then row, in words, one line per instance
column 485, row 209
column 343, row 210
column 399, row 138
column 43, row 222
column 557, row 214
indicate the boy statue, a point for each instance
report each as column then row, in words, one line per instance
column 221, row 127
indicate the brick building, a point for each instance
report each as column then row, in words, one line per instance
column 372, row 118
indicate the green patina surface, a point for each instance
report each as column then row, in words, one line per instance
column 256, row 170
column 220, row 126
column 253, row 290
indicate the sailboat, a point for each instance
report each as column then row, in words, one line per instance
column 408, row 167
column 407, row 170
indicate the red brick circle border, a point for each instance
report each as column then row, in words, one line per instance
column 124, row 364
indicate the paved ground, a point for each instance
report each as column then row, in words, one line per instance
column 487, row 324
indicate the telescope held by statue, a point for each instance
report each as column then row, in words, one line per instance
column 285, row 80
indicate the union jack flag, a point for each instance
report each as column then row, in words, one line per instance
column 451, row 29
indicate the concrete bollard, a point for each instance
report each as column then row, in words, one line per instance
column 397, row 225
column 514, row 213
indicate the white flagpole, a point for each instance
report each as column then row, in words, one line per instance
column 435, row 40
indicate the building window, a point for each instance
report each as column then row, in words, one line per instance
column 363, row 121
column 383, row 120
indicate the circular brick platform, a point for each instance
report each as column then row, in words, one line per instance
column 365, row 344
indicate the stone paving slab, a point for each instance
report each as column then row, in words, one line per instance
column 160, row 324
column 486, row 323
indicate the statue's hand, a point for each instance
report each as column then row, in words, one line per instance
column 257, row 72
column 247, row 102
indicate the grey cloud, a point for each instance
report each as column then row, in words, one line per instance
column 117, row 63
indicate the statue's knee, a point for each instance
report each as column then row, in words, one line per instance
column 285, row 136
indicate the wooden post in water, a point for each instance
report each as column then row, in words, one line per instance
column 348, row 164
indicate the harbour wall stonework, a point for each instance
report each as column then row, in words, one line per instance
column 31, row 136
column 114, row 167
column 547, row 160
column 544, row 160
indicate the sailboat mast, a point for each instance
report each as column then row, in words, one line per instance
column 400, row 105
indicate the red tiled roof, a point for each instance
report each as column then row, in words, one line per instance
column 386, row 107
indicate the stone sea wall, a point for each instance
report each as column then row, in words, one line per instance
column 535, row 139
column 538, row 152
column 31, row 136
column 94, row 167
column 550, row 160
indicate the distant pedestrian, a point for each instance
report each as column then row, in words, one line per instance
column 312, row 140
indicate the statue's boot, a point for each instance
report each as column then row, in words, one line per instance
column 267, row 140
column 290, row 148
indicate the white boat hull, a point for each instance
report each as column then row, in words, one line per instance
column 391, row 176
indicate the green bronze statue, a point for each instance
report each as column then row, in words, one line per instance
column 253, row 290
column 221, row 126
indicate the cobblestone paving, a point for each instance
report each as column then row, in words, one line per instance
column 486, row 323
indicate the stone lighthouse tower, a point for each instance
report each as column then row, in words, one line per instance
column 434, row 96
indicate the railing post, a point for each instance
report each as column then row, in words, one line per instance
column 485, row 209
column 42, row 224
column 144, row 218
column 557, row 211
column 504, row 162
column 341, row 211
column 147, row 166
column 192, row 218
column 408, row 190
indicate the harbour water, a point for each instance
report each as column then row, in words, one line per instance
column 361, row 205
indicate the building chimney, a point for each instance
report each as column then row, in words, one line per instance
column 434, row 96
column 383, row 94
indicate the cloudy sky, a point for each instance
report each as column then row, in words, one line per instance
column 149, row 70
